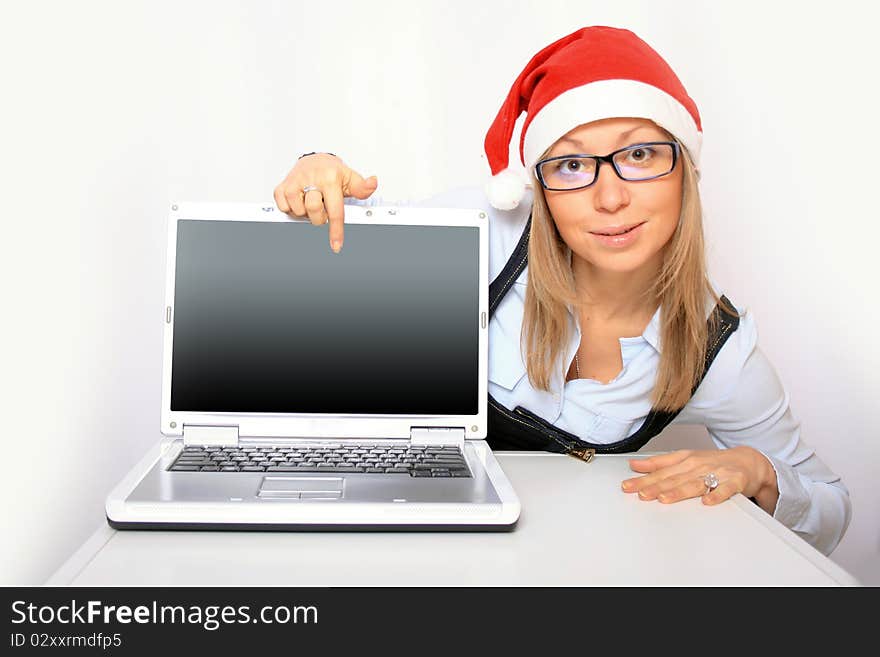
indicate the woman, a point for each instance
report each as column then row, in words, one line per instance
column 605, row 327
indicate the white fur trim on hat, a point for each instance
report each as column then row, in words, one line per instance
column 505, row 189
column 606, row 99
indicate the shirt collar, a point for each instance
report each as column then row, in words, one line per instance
column 652, row 331
column 651, row 334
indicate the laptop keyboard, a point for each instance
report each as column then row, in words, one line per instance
column 446, row 461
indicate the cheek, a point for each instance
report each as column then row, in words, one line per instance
column 569, row 218
column 668, row 216
column 661, row 205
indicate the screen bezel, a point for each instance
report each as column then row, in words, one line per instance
column 323, row 425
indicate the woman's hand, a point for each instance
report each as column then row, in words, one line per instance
column 679, row 475
column 333, row 181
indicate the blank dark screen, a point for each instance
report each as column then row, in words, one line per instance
column 268, row 319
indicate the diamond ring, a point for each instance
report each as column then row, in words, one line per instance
column 710, row 481
column 310, row 188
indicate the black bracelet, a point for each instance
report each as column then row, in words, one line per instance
column 313, row 153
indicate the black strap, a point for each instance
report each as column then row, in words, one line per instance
column 721, row 326
column 512, row 269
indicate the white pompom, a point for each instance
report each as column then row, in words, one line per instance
column 505, row 189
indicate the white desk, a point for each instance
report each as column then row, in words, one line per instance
column 576, row 528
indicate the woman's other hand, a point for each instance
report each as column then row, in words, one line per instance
column 328, row 181
column 679, row 475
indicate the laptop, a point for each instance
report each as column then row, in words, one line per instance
column 308, row 390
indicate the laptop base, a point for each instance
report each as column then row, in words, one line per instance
column 255, row 527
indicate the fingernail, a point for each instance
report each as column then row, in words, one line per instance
column 626, row 485
column 336, row 245
column 663, row 497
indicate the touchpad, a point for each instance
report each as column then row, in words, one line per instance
column 305, row 488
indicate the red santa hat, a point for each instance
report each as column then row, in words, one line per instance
column 595, row 73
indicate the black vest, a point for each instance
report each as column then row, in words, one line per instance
column 520, row 429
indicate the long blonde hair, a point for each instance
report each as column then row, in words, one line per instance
column 680, row 290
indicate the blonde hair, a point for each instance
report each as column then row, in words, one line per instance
column 680, row 290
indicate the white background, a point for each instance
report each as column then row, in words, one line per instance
column 111, row 110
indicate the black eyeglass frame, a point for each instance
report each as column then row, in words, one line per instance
column 610, row 160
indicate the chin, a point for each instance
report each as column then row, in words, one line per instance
column 620, row 263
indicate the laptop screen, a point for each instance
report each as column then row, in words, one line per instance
column 267, row 319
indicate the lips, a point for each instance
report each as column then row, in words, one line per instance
column 616, row 230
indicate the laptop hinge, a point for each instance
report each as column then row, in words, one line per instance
column 437, row 436
column 195, row 434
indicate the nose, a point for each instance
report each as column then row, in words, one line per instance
column 610, row 193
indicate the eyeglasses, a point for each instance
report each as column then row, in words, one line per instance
column 645, row 161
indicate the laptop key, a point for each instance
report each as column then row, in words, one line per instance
column 252, row 468
column 210, row 468
column 185, row 468
column 229, row 468
column 398, row 470
column 420, row 473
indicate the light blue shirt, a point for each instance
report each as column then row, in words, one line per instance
column 741, row 401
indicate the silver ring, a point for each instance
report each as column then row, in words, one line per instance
column 310, row 188
column 710, row 481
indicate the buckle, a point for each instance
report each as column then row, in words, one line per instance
column 585, row 454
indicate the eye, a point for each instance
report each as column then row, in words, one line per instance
column 641, row 154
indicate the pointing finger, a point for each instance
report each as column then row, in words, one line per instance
column 336, row 211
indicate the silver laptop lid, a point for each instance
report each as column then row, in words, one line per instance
column 268, row 330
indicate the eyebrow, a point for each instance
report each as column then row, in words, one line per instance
column 620, row 137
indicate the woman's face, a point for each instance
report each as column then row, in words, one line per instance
column 611, row 205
